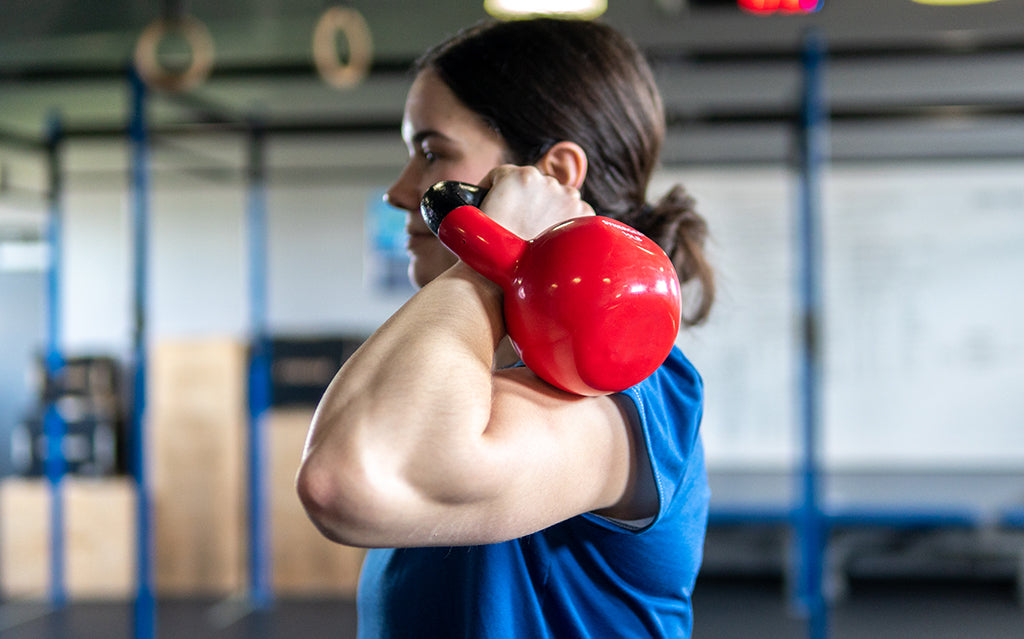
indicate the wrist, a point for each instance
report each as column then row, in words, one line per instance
column 477, row 291
column 486, row 287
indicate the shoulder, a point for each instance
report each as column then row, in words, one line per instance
column 673, row 393
column 669, row 407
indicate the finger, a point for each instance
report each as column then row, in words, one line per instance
column 496, row 175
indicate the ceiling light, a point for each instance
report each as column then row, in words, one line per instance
column 766, row 7
column 951, row 3
column 511, row 9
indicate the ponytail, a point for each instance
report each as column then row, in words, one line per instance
column 675, row 225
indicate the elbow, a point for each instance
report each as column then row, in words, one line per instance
column 335, row 502
column 315, row 491
column 318, row 492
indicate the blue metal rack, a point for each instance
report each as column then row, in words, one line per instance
column 260, row 569
column 810, row 522
column 53, row 423
column 808, row 514
column 145, row 600
column 260, row 592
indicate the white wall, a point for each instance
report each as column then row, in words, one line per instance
column 321, row 278
column 923, row 343
column 924, row 279
column 198, row 263
column 746, row 351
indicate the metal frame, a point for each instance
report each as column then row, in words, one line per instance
column 53, row 423
column 54, row 427
column 260, row 593
column 815, row 574
column 144, row 620
column 809, row 520
column 259, row 382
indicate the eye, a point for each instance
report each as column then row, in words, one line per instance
column 427, row 155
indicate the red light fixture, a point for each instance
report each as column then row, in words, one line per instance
column 767, row 7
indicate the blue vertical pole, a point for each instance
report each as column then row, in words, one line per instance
column 811, row 526
column 260, row 587
column 144, row 619
column 53, row 423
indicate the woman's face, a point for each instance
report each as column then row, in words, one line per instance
column 446, row 141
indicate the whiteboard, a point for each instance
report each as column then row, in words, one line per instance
column 745, row 352
column 923, row 331
column 924, row 286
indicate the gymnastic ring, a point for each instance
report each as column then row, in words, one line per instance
column 325, row 50
column 199, row 41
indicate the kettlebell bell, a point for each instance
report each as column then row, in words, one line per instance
column 592, row 306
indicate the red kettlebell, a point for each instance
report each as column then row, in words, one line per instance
column 592, row 306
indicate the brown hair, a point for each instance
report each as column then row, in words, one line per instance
column 537, row 82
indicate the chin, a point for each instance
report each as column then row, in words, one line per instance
column 425, row 266
column 415, row 279
column 419, row 275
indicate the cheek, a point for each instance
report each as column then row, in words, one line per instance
column 495, row 158
column 474, row 169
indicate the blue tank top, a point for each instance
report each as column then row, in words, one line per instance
column 584, row 577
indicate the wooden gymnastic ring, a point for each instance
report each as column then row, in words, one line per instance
column 325, row 50
column 156, row 75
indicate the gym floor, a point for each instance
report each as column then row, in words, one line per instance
column 725, row 609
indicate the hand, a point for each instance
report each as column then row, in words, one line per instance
column 527, row 202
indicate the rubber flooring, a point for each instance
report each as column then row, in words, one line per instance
column 724, row 609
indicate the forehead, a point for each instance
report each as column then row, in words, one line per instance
column 431, row 106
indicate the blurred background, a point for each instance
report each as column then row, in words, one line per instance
column 192, row 239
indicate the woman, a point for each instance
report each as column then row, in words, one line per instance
column 500, row 506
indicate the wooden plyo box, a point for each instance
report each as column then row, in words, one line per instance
column 99, row 538
column 196, row 417
column 304, row 562
column 197, row 440
column 199, row 426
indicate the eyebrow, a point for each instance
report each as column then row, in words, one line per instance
column 419, row 137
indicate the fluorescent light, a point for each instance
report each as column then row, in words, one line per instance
column 951, row 3
column 584, row 9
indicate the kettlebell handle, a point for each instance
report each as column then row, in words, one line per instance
column 452, row 211
column 444, row 197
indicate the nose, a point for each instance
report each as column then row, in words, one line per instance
column 404, row 193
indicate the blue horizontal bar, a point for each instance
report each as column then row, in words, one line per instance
column 749, row 514
column 903, row 517
column 1014, row 517
column 859, row 516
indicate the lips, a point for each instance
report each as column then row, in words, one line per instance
column 418, row 236
column 417, row 230
column 419, row 233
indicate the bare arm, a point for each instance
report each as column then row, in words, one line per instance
column 418, row 441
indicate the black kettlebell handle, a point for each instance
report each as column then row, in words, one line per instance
column 446, row 196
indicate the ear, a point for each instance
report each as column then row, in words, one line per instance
column 566, row 162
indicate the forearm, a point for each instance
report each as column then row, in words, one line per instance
column 406, row 411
